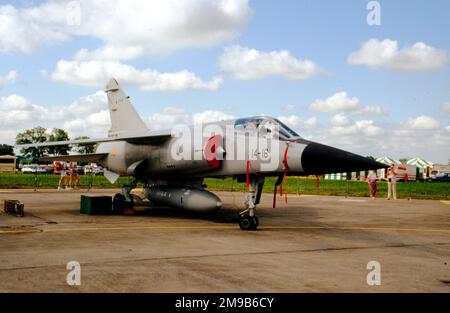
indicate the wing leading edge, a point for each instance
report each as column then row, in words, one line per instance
column 89, row 157
column 153, row 138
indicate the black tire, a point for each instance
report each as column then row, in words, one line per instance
column 256, row 221
column 118, row 204
column 129, row 204
column 246, row 222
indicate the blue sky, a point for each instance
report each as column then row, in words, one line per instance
column 412, row 99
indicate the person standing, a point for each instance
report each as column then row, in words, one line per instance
column 392, row 182
column 372, row 181
column 74, row 176
column 63, row 176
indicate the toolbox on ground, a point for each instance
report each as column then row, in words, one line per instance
column 14, row 207
column 95, row 205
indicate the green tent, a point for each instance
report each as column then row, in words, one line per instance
column 420, row 163
column 388, row 161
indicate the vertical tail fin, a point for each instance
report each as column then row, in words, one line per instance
column 124, row 118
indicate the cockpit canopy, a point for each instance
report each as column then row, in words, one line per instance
column 265, row 126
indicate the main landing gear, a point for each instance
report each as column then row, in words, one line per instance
column 124, row 200
column 248, row 219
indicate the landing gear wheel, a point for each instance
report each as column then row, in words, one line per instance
column 247, row 222
column 256, row 221
column 120, row 203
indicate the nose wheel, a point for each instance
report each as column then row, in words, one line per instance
column 247, row 222
column 248, row 219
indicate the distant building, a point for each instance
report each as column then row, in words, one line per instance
column 440, row 168
column 7, row 163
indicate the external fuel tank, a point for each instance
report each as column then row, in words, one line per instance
column 188, row 198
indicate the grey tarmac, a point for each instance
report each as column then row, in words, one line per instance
column 311, row 244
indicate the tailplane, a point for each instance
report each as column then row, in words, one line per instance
column 124, row 118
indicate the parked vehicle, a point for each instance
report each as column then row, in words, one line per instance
column 79, row 169
column 87, row 170
column 46, row 169
column 33, row 169
column 442, row 177
column 97, row 170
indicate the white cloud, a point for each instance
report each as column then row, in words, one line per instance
column 26, row 30
column 365, row 127
column 295, row 122
column 339, row 102
column 169, row 117
column 423, row 122
column 248, row 64
column 377, row 138
column 14, row 102
column 9, row 78
column 86, row 116
column 89, row 104
column 210, row 116
column 127, row 29
column 371, row 110
column 97, row 73
column 386, row 53
column 17, row 110
column 340, row 119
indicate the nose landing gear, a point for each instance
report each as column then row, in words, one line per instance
column 248, row 219
column 247, row 222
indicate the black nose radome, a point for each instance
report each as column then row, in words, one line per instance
column 320, row 159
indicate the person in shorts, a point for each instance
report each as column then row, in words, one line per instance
column 63, row 178
column 74, row 176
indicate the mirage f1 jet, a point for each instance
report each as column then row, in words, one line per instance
column 172, row 164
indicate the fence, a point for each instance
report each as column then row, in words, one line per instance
column 293, row 185
column 349, row 188
column 45, row 181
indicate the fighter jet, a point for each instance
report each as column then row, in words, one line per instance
column 173, row 164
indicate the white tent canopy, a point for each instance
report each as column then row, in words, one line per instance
column 420, row 163
column 388, row 160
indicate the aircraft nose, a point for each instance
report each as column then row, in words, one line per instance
column 320, row 159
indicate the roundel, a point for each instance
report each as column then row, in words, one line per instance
column 212, row 148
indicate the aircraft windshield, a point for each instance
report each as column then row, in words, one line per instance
column 267, row 124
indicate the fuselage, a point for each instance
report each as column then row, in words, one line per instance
column 256, row 145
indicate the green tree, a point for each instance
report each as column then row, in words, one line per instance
column 6, row 150
column 403, row 160
column 33, row 135
column 86, row 148
column 58, row 134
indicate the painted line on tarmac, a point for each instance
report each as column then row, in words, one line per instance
column 231, row 227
